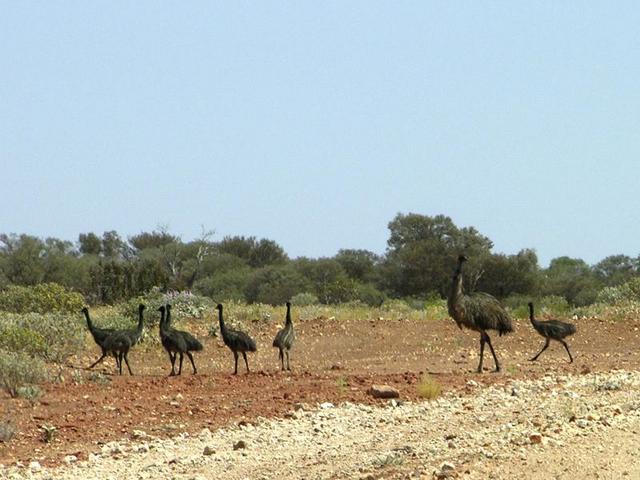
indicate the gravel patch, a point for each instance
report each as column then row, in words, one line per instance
column 486, row 432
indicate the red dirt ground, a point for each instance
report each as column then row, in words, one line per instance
column 332, row 361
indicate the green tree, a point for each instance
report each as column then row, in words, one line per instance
column 422, row 251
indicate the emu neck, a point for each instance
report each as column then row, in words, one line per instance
column 140, row 321
column 456, row 286
column 223, row 328
column 89, row 324
column 162, row 324
column 288, row 319
column 533, row 320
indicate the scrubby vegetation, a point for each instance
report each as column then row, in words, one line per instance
column 45, row 283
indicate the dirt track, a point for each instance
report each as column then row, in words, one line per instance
column 333, row 361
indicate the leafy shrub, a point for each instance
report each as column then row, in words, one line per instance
column 17, row 370
column 369, row 294
column 304, row 299
column 41, row 298
column 551, row 305
column 428, row 387
column 627, row 292
column 185, row 304
column 52, row 337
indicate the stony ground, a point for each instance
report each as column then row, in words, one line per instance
column 548, row 419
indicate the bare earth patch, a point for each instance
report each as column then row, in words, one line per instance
column 548, row 419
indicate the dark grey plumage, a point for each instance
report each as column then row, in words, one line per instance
column 477, row 311
column 99, row 335
column 177, row 342
column 236, row 340
column 119, row 342
column 285, row 338
column 552, row 330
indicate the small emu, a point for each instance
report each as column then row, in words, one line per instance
column 236, row 340
column 120, row 341
column 99, row 335
column 285, row 338
column 551, row 330
column 177, row 342
column 477, row 311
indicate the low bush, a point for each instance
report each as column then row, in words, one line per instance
column 41, row 298
column 304, row 299
column 19, row 370
column 52, row 337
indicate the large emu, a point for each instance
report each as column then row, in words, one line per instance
column 552, row 330
column 99, row 335
column 477, row 311
column 177, row 341
column 119, row 342
column 236, row 340
column 285, row 338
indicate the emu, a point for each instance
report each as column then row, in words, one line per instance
column 177, row 342
column 236, row 340
column 119, row 342
column 478, row 311
column 551, row 330
column 285, row 338
column 99, row 335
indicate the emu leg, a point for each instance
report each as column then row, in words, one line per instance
column 567, row 348
column 244, row 354
column 281, row 357
column 126, row 359
column 180, row 367
column 119, row 361
column 104, row 354
column 173, row 361
column 235, row 355
column 495, row 359
column 546, row 344
column 192, row 362
column 481, row 352
column 288, row 367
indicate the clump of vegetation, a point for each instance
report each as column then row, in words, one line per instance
column 342, row 384
column 185, row 304
column 52, row 337
column 7, row 430
column 41, row 298
column 304, row 299
column 428, row 387
column 48, row 433
column 18, row 370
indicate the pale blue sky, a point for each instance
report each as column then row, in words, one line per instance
column 314, row 123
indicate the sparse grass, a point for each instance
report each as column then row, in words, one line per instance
column 342, row 384
column 512, row 370
column 428, row 387
column 389, row 460
column 99, row 378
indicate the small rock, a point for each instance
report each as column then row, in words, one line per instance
column 69, row 459
column 139, row 434
column 35, row 467
column 239, row 444
column 383, row 391
column 298, row 406
column 535, row 437
column 326, row 405
column 472, row 383
column 447, row 470
column 582, row 423
column 210, row 451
